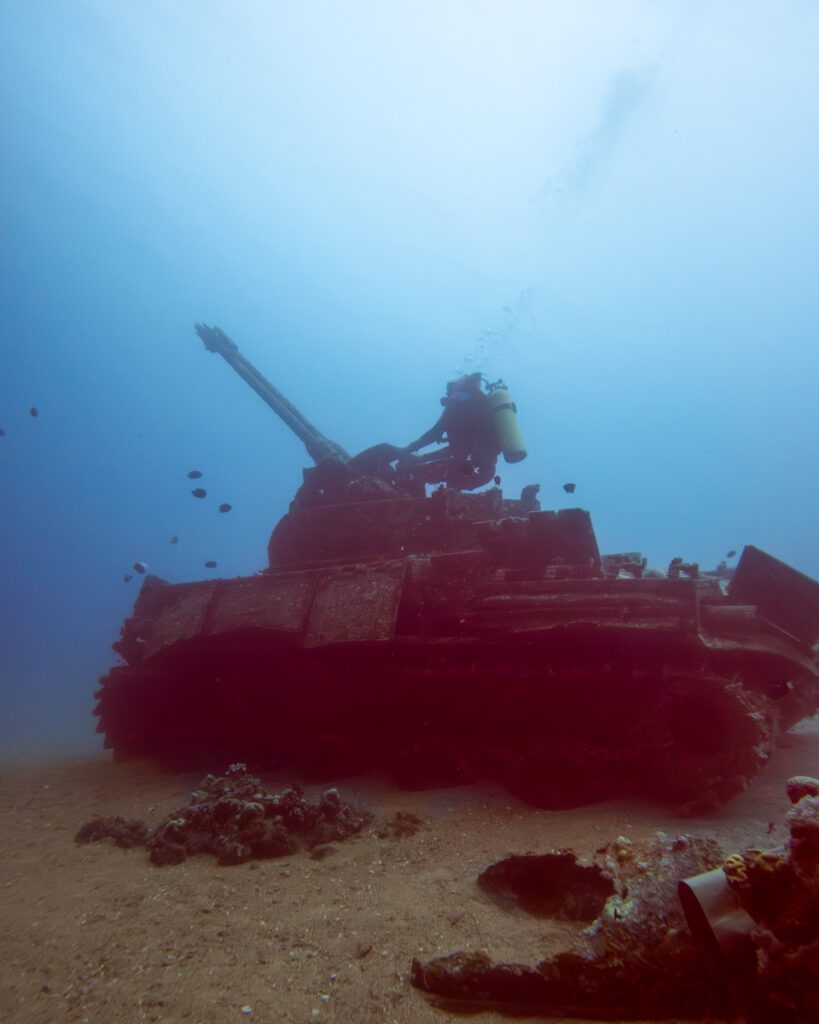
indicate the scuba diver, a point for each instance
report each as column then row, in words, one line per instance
column 477, row 425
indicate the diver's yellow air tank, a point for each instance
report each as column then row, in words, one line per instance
column 507, row 431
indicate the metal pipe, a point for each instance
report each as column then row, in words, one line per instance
column 716, row 917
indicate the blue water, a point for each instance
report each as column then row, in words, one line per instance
column 613, row 206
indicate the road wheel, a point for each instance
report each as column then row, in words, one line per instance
column 705, row 740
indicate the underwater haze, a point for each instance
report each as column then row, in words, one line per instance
column 613, row 206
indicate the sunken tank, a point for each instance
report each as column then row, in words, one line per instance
column 447, row 638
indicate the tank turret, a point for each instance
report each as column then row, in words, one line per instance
column 336, row 477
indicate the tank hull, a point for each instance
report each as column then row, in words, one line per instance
column 492, row 660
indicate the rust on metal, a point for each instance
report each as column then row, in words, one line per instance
column 351, row 605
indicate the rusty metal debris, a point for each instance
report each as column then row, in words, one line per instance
column 735, row 937
column 635, row 959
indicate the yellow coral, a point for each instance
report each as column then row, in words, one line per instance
column 735, row 869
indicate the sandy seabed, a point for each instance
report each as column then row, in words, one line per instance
column 99, row 935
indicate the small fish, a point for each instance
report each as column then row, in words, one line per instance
column 140, row 567
column 2, row 432
column 34, row 411
column 199, row 492
column 174, row 540
column 731, row 554
column 224, row 507
column 194, row 474
column 771, row 827
column 210, row 564
column 569, row 488
column 497, row 481
column 127, row 578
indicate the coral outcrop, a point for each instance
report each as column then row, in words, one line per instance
column 124, row 832
column 234, row 818
column 779, row 888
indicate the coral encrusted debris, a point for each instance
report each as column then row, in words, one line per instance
column 235, row 819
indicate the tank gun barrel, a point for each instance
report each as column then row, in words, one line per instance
column 318, row 446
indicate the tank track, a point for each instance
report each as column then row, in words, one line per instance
column 556, row 737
